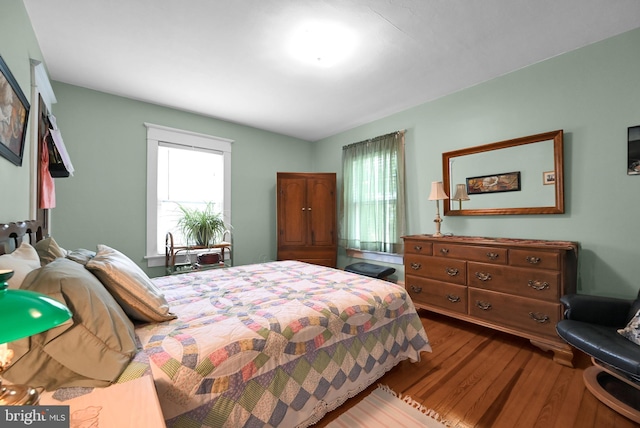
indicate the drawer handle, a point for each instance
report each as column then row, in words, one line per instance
column 416, row 289
column 452, row 298
column 539, row 318
column 452, row 271
column 415, row 266
column 532, row 260
column 485, row 306
column 537, row 285
column 444, row 251
column 417, row 247
column 492, row 256
column 482, row 276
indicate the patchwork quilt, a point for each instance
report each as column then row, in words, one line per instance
column 274, row 344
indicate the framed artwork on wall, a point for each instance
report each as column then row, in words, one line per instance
column 549, row 177
column 633, row 150
column 505, row 182
column 14, row 114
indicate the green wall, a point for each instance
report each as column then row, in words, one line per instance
column 18, row 45
column 105, row 200
column 593, row 94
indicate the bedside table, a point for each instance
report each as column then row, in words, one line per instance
column 132, row 404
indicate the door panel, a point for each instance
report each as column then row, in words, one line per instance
column 321, row 210
column 292, row 212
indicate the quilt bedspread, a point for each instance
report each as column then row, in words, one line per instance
column 274, row 344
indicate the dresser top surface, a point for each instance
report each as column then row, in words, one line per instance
column 511, row 242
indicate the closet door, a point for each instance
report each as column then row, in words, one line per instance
column 292, row 211
column 321, row 210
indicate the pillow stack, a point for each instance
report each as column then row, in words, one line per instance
column 105, row 291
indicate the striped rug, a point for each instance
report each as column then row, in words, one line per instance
column 384, row 408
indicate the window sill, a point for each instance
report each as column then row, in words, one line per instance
column 397, row 259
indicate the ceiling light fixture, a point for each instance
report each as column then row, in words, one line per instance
column 322, row 44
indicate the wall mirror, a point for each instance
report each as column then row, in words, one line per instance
column 520, row 176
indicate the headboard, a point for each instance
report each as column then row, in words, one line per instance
column 12, row 234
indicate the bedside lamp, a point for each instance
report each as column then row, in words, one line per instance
column 24, row 313
column 461, row 194
column 437, row 194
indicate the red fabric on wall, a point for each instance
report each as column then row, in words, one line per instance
column 47, row 187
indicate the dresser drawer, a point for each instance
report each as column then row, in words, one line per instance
column 535, row 259
column 416, row 246
column 473, row 253
column 534, row 283
column 521, row 313
column 435, row 293
column 438, row 268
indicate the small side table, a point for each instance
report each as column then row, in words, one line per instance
column 131, row 404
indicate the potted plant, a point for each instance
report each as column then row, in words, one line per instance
column 201, row 227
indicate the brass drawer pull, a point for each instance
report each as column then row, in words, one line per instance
column 492, row 256
column 539, row 318
column 485, row 306
column 482, row 276
column 416, row 266
column 533, row 260
column 452, row 271
column 444, row 251
column 452, row 298
column 416, row 289
column 537, row 285
column 417, row 247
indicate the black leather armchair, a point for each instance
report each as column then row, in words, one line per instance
column 591, row 325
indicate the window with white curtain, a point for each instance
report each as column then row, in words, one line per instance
column 183, row 168
column 373, row 206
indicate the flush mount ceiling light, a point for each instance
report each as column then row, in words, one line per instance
column 322, row 44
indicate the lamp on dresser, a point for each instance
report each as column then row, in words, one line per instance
column 437, row 194
column 24, row 313
column 461, row 194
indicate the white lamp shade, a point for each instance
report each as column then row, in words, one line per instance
column 461, row 193
column 437, row 191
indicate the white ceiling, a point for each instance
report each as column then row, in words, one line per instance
column 228, row 59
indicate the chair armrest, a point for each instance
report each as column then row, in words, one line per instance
column 606, row 311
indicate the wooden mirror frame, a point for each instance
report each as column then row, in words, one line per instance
column 558, row 160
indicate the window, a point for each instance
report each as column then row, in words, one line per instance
column 183, row 168
column 373, row 206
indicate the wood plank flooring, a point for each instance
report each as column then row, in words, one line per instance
column 477, row 377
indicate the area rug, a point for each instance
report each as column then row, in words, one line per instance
column 385, row 408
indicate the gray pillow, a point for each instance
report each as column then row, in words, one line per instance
column 91, row 349
column 48, row 250
column 140, row 298
column 81, row 255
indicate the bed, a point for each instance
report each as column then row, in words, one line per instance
column 270, row 344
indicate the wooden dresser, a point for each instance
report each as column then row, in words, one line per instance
column 511, row 285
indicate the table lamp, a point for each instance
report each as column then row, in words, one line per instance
column 24, row 313
column 461, row 194
column 437, row 194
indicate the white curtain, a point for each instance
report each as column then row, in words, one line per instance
column 373, row 190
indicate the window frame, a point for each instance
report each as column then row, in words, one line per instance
column 157, row 134
column 380, row 256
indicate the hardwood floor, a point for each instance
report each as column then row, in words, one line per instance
column 477, row 377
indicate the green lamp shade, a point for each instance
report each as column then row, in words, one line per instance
column 25, row 313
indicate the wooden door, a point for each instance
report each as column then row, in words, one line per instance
column 292, row 211
column 321, row 201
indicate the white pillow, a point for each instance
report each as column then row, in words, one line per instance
column 632, row 330
column 129, row 285
column 22, row 261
